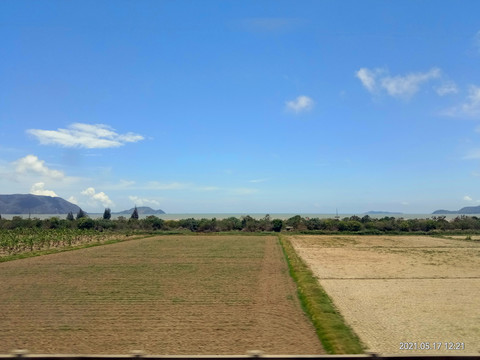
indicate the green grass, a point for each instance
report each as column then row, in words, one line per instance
column 335, row 335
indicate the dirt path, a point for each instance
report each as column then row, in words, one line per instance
column 164, row 295
column 394, row 289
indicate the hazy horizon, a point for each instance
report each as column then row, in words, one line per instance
column 242, row 107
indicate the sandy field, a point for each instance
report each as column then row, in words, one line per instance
column 402, row 294
column 162, row 295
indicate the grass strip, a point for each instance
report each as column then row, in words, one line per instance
column 30, row 254
column 335, row 335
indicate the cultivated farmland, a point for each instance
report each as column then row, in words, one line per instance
column 401, row 289
column 163, row 295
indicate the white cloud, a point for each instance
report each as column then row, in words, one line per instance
column 447, row 88
column 31, row 164
column 301, row 103
column 73, row 200
column 39, row 189
column 142, row 201
column 396, row 86
column 470, row 108
column 85, row 136
column 367, row 77
column 467, row 198
column 95, row 197
column 407, row 86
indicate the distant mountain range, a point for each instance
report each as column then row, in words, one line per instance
column 142, row 210
column 35, row 204
column 464, row 210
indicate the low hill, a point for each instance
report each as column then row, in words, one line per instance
column 142, row 210
column 464, row 210
column 35, row 204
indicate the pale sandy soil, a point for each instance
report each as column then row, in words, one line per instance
column 394, row 289
column 162, row 295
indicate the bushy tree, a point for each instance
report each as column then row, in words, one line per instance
column 190, row 224
column 154, row 222
column 277, row 225
column 85, row 223
column 70, row 216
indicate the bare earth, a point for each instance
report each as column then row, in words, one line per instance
column 163, row 295
column 394, row 289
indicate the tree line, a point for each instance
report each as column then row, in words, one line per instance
column 353, row 224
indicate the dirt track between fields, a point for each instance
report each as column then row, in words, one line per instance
column 394, row 289
column 163, row 295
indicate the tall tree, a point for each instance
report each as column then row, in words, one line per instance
column 107, row 214
column 134, row 213
column 81, row 214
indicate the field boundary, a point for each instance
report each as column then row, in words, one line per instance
column 335, row 335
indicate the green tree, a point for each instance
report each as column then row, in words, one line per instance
column 134, row 213
column 70, row 216
column 107, row 214
column 154, row 222
column 86, row 223
column 81, row 214
column 277, row 225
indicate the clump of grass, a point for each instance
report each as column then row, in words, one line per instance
column 335, row 335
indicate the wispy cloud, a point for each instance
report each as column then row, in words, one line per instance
column 257, row 180
column 472, row 154
column 368, row 78
column 300, row 104
column 143, row 201
column 467, row 198
column 39, row 189
column 88, row 136
column 469, row 108
column 31, row 164
column 399, row 86
column 447, row 88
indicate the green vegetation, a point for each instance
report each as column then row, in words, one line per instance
column 336, row 336
column 366, row 225
column 20, row 240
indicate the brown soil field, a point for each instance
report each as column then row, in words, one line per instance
column 397, row 289
column 163, row 295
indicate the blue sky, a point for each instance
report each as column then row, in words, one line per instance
column 242, row 106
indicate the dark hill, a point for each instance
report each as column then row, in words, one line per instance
column 142, row 210
column 35, row 204
column 464, row 210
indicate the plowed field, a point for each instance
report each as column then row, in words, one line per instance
column 163, row 295
column 394, row 290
